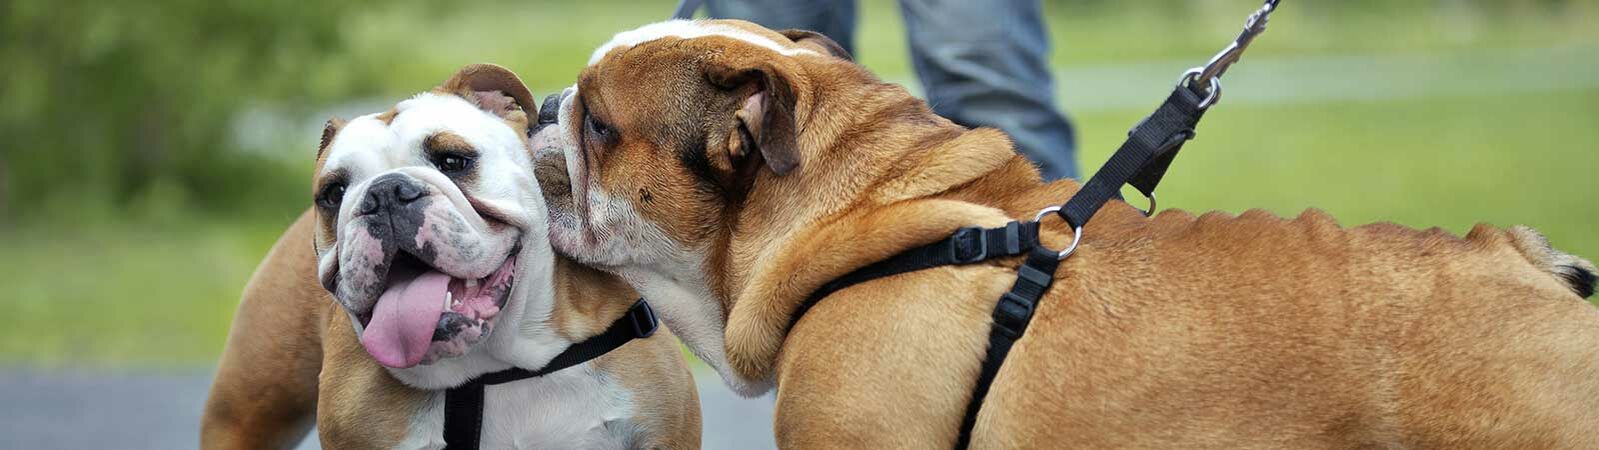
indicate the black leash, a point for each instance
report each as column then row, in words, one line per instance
column 463, row 405
column 1141, row 161
column 1153, row 143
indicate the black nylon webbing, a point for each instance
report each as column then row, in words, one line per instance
column 463, row 416
column 463, row 405
column 1011, row 316
column 966, row 245
column 970, row 245
column 1142, row 160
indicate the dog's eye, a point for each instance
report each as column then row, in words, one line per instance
column 449, row 163
column 331, row 196
column 600, row 129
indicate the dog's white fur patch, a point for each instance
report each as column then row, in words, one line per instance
column 592, row 412
column 685, row 302
column 689, row 29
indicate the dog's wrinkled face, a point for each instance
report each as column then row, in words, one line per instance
column 664, row 132
column 421, row 212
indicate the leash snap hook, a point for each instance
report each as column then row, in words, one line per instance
column 1077, row 230
column 1218, row 65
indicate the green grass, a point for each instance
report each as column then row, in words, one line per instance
column 142, row 296
column 155, row 291
column 1448, row 162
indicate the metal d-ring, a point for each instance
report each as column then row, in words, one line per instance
column 1211, row 95
column 1077, row 231
column 1151, row 210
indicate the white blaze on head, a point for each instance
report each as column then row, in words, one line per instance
column 688, row 29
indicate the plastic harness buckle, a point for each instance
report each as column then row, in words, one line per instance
column 1012, row 314
column 962, row 238
column 644, row 321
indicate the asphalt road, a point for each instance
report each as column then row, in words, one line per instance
column 89, row 410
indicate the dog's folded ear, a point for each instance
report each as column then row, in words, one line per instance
column 329, row 129
column 494, row 89
column 817, row 42
column 765, row 99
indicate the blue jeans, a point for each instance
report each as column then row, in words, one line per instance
column 981, row 62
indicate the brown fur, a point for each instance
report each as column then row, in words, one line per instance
column 265, row 390
column 445, row 141
column 1211, row 332
column 329, row 129
column 494, row 89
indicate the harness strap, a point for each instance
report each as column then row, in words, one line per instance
column 463, row 405
column 967, row 245
column 1011, row 316
column 1142, row 160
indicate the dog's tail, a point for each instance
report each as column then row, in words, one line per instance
column 1577, row 273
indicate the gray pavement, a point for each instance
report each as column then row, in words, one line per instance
column 130, row 410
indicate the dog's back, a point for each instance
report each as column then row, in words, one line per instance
column 280, row 317
column 1256, row 331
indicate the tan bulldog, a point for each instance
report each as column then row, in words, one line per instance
column 727, row 171
column 430, row 230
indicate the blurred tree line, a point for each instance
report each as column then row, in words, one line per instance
column 109, row 102
column 107, row 105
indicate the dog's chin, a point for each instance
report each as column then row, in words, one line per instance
column 425, row 315
column 572, row 238
column 567, row 235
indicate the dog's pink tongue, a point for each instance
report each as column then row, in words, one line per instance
column 403, row 320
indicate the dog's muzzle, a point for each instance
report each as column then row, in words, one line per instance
column 417, row 275
column 392, row 194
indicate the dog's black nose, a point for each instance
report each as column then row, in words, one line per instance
column 550, row 111
column 390, row 191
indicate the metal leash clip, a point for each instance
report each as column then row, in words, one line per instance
column 1219, row 64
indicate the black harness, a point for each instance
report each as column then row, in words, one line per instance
column 1141, row 161
column 463, row 405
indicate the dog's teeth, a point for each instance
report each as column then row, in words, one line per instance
column 448, row 299
column 472, row 283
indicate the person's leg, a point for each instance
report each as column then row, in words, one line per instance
column 833, row 18
column 985, row 63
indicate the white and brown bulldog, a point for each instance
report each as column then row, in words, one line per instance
column 430, row 232
column 727, row 171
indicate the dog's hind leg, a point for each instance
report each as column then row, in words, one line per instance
column 265, row 391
